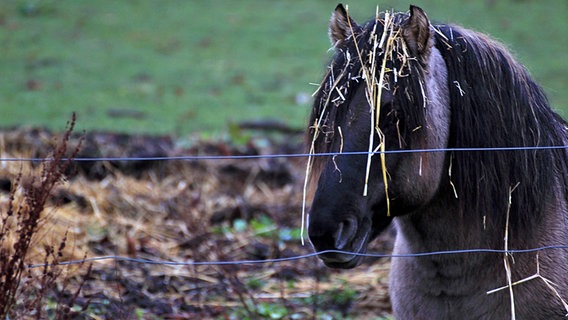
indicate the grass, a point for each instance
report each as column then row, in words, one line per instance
column 180, row 67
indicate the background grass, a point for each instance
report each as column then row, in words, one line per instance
column 179, row 67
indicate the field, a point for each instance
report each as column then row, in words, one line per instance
column 178, row 78
column 194, row 67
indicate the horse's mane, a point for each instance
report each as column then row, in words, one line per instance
column 495, row 103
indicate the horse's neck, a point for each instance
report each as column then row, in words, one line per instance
column 450, row 282
column 442, row 226
column 439, row 227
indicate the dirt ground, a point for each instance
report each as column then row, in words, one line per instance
column 188, row 211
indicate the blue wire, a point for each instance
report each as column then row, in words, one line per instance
column 299, row 257
column 287, row 155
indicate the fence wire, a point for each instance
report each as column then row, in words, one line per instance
column 288, row 155
column 298, row 257
column 285, row 155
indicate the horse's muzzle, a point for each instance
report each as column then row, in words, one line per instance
column 341, row 244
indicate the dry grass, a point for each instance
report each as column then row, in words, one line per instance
column 187, row 211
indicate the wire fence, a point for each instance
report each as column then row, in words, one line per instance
column 298, row 257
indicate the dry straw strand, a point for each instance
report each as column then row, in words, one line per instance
column 551, row 285
column 506, row 256
column 537, row 275
column 317, row 129
column 386, row 44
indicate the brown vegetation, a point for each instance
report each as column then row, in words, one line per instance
column 183, row 211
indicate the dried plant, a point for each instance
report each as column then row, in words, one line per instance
column 22, row 288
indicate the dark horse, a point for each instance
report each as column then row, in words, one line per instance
column 399, row 83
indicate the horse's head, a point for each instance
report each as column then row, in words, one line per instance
column 385, row 89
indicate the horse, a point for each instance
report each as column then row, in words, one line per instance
column 438, row 131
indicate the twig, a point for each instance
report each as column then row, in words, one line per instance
column 551, row 285
column 506, row 255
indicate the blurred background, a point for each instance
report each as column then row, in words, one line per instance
column 198, row 67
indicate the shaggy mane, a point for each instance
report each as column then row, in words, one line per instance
column 495, row 103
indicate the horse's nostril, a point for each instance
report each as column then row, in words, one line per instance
column 345, row 233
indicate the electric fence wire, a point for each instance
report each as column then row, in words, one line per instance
column 298, row 257
column 291, row 155
column 286, row 155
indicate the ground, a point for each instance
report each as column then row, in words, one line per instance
column 187, row 211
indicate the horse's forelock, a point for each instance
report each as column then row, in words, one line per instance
column 342, row 79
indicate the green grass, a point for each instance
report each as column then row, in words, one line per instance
column 179, row 67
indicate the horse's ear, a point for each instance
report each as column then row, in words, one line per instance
column 341, row 26
column 416, row 32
